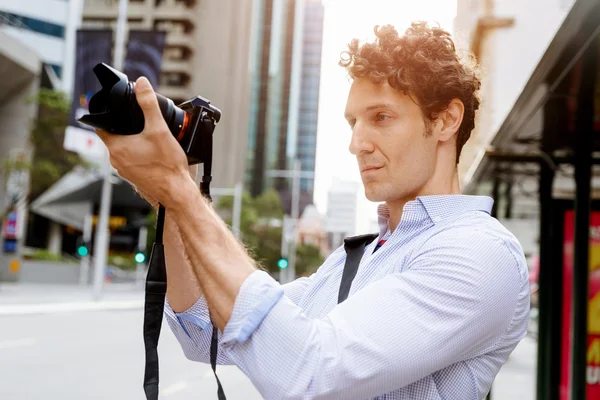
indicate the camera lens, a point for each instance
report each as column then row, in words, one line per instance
column 115, row 109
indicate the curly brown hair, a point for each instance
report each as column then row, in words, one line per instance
column 424, row 64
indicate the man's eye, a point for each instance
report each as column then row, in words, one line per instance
column 382, row 117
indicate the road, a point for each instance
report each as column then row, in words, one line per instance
column 99, row 355
column 58, row 344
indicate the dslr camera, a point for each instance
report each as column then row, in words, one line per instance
column 115, row 109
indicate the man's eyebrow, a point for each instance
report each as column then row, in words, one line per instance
column 370, row 108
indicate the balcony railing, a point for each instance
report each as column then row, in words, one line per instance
column 110, row 8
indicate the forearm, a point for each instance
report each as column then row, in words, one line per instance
column 183, row 289
column 219, row 261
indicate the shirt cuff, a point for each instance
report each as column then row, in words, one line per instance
column 257, row 296
column 197, row 315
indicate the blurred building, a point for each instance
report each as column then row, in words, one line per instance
column 311, row 230
column 41, row 25
column 508, row 40
column 342, row 203
column 21, row 67
column 285, row 66
column 206, row 53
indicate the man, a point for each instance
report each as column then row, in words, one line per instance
column 440, row 299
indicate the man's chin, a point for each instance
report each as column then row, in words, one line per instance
column 374, row 195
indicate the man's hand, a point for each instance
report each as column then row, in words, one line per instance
column 153, row 161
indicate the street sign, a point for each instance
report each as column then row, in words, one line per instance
column 9, row 230
column 84, row 142
column 9, row 246
column 14, row 265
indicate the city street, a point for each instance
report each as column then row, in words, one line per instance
column 98, row 354
column 66, row 349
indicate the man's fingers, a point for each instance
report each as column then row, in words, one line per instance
column 146, row 98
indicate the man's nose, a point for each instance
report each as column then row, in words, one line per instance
column 361, row 140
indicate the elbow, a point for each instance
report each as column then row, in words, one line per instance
column 190, row 351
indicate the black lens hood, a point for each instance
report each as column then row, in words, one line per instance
column 114, row 108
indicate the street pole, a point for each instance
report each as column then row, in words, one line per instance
column 101, row 242
column 73, row 24
column 237, row 210
column 295, row 174
column 237, row 193
column 85, row 261
column 295, row 208
column 139, row 270
column 285, row 241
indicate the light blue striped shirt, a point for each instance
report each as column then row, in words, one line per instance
column 433, row 314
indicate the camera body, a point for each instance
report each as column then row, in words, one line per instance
column 115, row 109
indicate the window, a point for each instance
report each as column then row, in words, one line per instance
column 57, row 69
column 32, row 24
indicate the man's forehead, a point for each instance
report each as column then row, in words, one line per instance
column 366, row 96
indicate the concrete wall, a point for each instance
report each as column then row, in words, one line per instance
column 49, row 272
column 64, row 273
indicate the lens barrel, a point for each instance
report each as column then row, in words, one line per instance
column 115, row 108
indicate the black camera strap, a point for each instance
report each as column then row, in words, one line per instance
column 156, row 289
column 355, row 248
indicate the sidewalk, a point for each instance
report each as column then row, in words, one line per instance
column 30, row 298
column 517, row 378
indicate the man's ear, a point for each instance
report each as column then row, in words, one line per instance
column 451, row 118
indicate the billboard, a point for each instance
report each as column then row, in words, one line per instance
column 93, row 46
column 144, row 55
column 593, row 342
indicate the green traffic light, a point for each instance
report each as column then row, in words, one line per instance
column 140, row 258
column 82, row 251
column 282, row 263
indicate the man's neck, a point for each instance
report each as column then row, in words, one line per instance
column 449, row 186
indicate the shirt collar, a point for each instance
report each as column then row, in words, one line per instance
column 434, row 209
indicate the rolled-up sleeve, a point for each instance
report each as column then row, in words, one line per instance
column 193, row 327
column 454, row 302
column 193, row 330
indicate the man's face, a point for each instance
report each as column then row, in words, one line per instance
column 395, row 152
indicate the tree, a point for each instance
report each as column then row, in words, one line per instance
column 260, row 225
column 50, row 160
column 308, row 259
column 261, row 228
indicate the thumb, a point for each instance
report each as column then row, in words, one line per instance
column 148, row 102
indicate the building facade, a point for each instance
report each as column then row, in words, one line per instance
column 41, row 25
column 341, row 217
column 505, row 38
column 206, row 53
column 287, row 42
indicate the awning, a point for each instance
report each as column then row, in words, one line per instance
column 78, row 192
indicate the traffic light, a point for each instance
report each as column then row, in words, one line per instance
column 282, row 263
column 139, row 257
column 83, row 247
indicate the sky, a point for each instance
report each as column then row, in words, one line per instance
column 345, row 20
